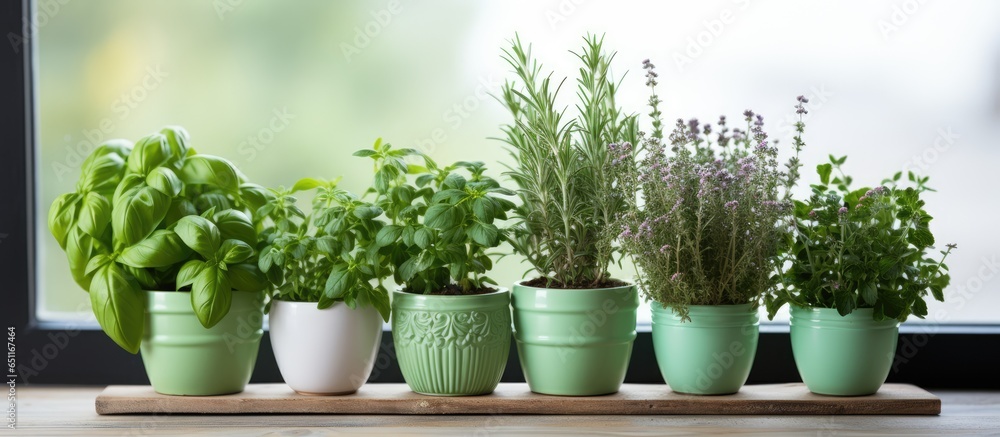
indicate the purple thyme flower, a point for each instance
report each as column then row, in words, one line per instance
column 812, row 214
column 732, row 205
column 676, row 276
column 842, row 210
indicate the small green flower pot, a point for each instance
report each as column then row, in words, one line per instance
column 709, row 355
column 184, row 358
column 574, row 342
column 451, row 345
column 842, row 355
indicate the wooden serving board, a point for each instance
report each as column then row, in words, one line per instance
column 375, row 398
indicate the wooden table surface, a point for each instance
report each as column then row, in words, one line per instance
column 69, row 411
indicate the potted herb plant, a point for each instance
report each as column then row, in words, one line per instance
column 451, row 327
column 149, row 219
column 574, row 324
column 705, row 232
column 858, row 267
column 329, row 300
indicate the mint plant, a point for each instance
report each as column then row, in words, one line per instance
column 862, row 248
column 158, row 216
column 329, row 255
column 568, row 203
column 705, row 227
column 441, row 223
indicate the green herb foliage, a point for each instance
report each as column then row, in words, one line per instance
column 862, row 248
column 156, row 215
column 329, row 255
column 705, row 227
column 567, row 200
column 441, row 222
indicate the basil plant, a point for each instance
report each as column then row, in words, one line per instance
column 328, row 256
column 158, row 216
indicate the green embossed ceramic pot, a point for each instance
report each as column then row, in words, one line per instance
column 451, row 345
column 842, row 355
column 183, row 358
column 574, row 342
column 710, row 354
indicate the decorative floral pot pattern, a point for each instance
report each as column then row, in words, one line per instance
column 183, row 358
column 451, row 345
column 574, row 342
column 710, row 354
column 324, row 351
column 842, row 355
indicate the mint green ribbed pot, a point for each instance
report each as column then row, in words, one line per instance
column 842, row 355
column 451, row 345
column 709, row 355
column 574, row 342
column 183, row 358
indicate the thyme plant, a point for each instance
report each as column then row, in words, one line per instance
column 707, row 227
column 568, row 202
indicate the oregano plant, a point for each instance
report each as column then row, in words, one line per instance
column 862, row 248
column 328, row 256
column 158, row 216
column 442, row 220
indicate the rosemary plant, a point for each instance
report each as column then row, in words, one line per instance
column 568, row 203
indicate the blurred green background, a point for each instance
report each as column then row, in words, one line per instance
column 290, row 89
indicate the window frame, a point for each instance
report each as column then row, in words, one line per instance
column 932, row 356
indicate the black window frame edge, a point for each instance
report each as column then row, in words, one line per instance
column 931, row 356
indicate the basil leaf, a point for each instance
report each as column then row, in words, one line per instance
column 306, row 184
column 254, row 196
column 80, row 249
column 189, row 271
column 148, row 153
column 95, row 214
column 235, row 225
column 379, row 298
column 62, row 216
column 485, row 235
column 137, row 213
column 388, row 235
column 210, row 170
column 199, row 234
column 211, row 295
column 118, row 306
column 165, row 181
column 161, row 249
column 180, row 208
column 443, row 216
column 340, row 279
column 246, row 277
column 177, row 139
column 101, row 172
column 234, row 251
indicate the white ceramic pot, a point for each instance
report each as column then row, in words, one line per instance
column 325, row 352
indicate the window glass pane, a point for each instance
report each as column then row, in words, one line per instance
column 289, row 89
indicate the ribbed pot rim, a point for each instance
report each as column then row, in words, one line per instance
column 178, row 302
column 520, row 285
column 860, row 318
column 704, row 316
column 402, row 299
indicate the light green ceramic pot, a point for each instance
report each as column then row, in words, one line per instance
column 709, row 355
column 842, row 355
column 574, row 342
column 451, row 345
column 184, row 358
